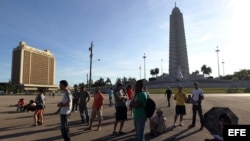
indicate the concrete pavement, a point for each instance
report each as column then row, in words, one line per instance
column 18, row 126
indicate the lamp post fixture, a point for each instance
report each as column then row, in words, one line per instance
column 217, row 50
column 223, row 67
column 144, row 57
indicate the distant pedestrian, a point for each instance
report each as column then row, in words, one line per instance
column 120, row 107
column 65, row 109
column 138, row 104
column 111, row 93
column 168, row 93
column 97, row 109
column 84, row 98
column 180, row 108
column 75, row 99
column 198, row 97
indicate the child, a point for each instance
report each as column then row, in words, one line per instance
column 189, row 99
column 19, row 105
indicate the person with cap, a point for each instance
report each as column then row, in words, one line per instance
column 180, row 108
column 197, row 96
column 157, row 123
column 120, row 107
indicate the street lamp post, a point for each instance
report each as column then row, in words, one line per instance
column 161, row 69
column 90, row 64
column 140, row 71
column 223, row 67
column 217, row 50
column 144, row 57
column 87, row 75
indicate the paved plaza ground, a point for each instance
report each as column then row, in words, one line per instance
column 17, row 126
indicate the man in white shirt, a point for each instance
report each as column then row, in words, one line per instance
column 65, row 109
column 197, row 96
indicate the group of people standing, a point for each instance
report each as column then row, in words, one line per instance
column 137, row 102
column 83, row 97
column 180, row 109
column 125, row 100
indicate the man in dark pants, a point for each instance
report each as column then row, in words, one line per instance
column 65, row 109
column 84, row 97
column 197, row 96
column 168, row 93
column 75, row 100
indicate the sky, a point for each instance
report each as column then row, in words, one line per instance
column 121, row 32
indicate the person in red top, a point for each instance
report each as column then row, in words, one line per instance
column 97, row 109
column 129, row 92
column 20, row 104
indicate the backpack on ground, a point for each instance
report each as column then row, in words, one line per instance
column 150, row 107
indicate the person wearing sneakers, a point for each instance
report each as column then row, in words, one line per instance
column 120, row 107
column 197, row 96
column 180, row 108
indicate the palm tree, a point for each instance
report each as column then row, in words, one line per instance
column 152, row 72
column 156, row 71
column 195, row 72
column 108, row 81
column 206, row 70
column 124, row 80
column 118, row 80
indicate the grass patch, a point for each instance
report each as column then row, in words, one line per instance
column 205, row 90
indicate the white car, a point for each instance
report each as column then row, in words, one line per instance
column 1, row 92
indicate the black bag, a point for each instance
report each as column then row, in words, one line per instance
column 150, row 107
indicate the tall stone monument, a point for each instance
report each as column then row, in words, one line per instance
column 178, row 59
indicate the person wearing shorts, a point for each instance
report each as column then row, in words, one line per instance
column 97, row 109
column 120, row 107
column 40, row 104
column 180, row 108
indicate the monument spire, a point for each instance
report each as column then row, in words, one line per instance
column 174, row 4
column 178, row 57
